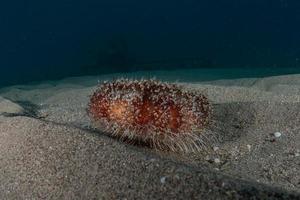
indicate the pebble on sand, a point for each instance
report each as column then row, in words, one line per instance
column 249, row 147
column 216, row 148
column 217, row 160
column 163, row 179
column 277, row 134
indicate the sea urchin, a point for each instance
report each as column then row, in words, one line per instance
column 160, row 114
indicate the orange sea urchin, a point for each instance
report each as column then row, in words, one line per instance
column 160, row 114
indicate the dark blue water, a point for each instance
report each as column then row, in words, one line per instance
column 42, row 40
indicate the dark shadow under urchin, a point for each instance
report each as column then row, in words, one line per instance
column 228, row 122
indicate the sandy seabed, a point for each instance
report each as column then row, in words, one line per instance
column 48, row 149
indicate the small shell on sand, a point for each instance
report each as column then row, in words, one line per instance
column 277, row 134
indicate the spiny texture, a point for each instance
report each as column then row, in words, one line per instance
column 156, row 113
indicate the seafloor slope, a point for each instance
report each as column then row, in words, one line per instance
column 48, row 150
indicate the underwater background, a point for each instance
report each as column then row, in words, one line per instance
column 42, row 40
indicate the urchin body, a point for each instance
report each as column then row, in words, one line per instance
column 153, row 112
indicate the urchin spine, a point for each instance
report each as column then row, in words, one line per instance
column 161, row 114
